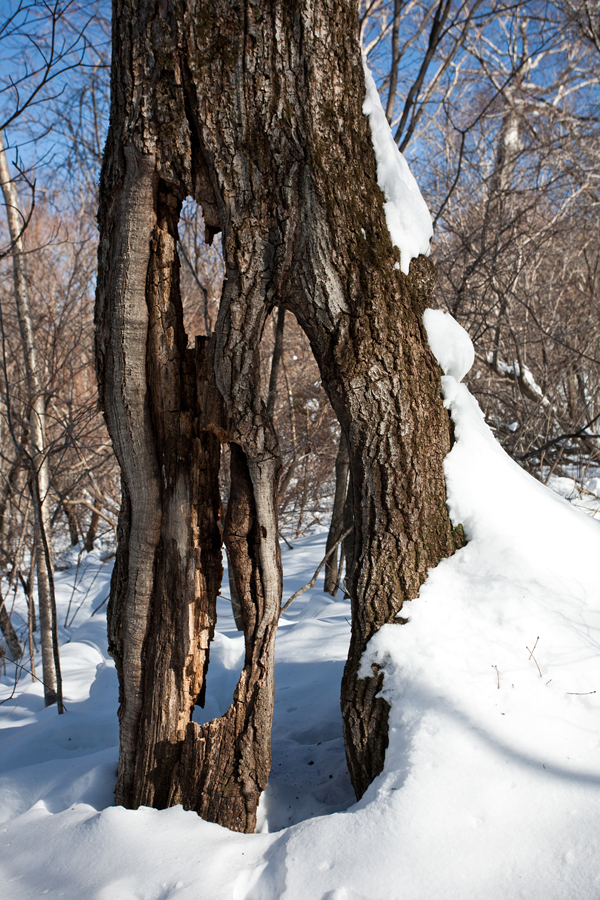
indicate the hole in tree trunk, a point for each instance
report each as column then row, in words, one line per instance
column 309, row 774
column 306, row 426
column 201, row 272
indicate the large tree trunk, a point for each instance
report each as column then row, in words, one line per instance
column 277, row 92
column 254, row 109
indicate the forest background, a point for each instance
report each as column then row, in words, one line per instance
column 496, row 107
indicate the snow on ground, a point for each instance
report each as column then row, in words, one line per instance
column 491, row 787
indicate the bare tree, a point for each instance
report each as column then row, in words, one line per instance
column 38, row 456
column 516, row 257
column 43, row 41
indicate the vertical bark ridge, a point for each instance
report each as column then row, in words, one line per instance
column 336, row 529
column 121, row 330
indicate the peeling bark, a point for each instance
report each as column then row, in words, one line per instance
column 166, row 417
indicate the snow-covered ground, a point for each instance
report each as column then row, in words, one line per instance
column 491, row 787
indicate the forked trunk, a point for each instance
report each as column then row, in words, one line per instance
column 276, row 93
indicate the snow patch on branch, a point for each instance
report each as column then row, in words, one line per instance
column 407, row 216
column 520, row 373
column 449, row 342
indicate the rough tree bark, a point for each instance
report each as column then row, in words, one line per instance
column 254, row 109
column 276, row 91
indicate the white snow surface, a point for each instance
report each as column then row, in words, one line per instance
column 450, row 343
column 491, row 786
column 407, row 216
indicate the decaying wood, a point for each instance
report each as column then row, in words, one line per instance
column 166, row 417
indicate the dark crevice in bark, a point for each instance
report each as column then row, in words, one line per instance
column 337, row 527
column 275, row 360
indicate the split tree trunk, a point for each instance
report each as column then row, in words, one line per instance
column 255, row 110
column 166, row 417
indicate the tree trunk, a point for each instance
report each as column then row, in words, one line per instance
column 9, row 633
column 165, row 416
column 92, row 531
column 336, row 529
column 38, row 460
column 9, row 487
column 348, row 544
column 256, row 111
column 277, row 96
column 31, row 618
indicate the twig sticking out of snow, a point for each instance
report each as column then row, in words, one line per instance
column 534, row 646
column 286, row 540
column 101, row 605
column 497, row 675
column 531, row 656
column 316, row 575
